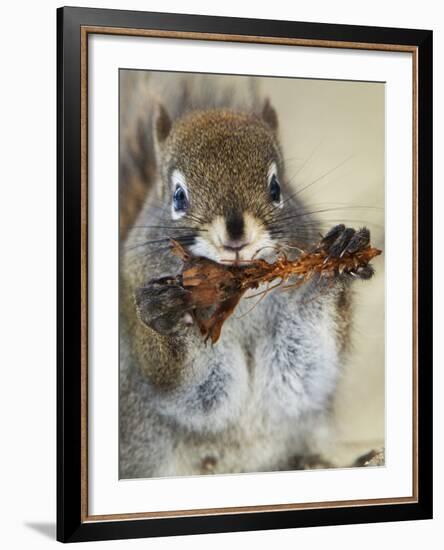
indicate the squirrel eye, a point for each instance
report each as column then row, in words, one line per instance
column 275, row 189
column 180, row 200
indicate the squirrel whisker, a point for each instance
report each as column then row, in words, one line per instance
column 308, row 213
column 321, row 177
column 183, row 239
column 189, row 227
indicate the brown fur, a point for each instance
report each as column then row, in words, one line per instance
column 224, row 156
column 224, row 153
column 237, row 149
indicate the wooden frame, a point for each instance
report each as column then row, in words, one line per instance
column 74, row 26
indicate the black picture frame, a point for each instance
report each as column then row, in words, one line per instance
column 71, row 522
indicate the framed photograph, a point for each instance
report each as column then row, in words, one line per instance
column 244, row 274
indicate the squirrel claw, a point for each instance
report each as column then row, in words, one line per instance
column 163, row 307
column 342, row 241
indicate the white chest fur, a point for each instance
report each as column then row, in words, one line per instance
column 295, row 355
column 264, row 388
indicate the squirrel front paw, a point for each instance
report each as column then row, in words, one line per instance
column 341, row 240
column 163, row 307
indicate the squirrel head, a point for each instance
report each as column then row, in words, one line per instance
column 222, row 174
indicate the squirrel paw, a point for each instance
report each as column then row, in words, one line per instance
column 163, row 307
column 341, row 240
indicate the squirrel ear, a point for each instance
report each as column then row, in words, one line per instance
column 162, row 124
column 269, row 115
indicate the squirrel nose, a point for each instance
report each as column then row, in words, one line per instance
column 234, row 222
column 235, row 238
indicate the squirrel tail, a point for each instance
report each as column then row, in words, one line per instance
column 141, row 92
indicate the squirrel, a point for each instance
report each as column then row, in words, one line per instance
column 201, row 162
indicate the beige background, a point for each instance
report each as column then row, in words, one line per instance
column 339, row 127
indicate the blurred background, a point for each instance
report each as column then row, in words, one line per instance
column 332, row 134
